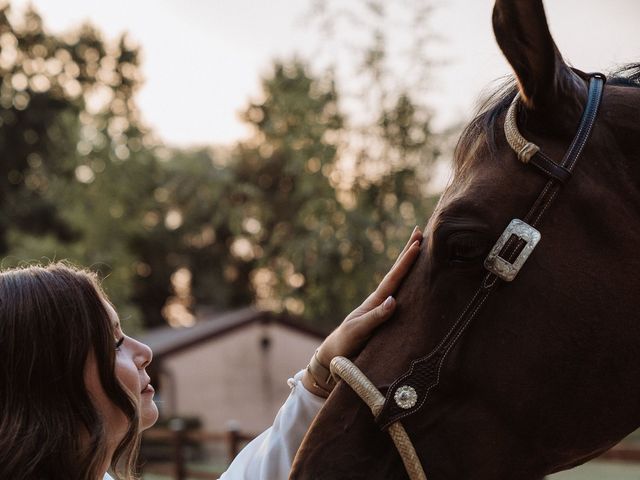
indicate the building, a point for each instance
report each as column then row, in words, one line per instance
column 229, row 369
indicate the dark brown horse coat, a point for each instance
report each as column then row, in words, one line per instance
column 548, row 375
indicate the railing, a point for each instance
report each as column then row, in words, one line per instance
column 178, row 438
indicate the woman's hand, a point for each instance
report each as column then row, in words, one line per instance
column 350, row 337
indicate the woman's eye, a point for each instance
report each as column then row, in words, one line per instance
column 119, row 343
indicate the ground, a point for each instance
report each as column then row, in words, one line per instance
column 595, row 470
column 600, row 470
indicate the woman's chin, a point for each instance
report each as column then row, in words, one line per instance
column 148, row 415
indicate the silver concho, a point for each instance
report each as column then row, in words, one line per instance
column 406, row 397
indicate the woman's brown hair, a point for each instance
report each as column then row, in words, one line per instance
column 51, row 319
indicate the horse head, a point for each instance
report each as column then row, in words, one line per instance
column 546, row 375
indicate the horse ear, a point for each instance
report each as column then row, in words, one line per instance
column 523, row 35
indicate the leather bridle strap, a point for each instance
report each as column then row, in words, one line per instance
column 408, row 393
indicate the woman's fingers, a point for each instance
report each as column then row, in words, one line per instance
column 392, row 279
column 364, row 326
column 415, row 235
column 349, row 338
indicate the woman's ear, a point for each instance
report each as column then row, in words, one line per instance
column 522, row 32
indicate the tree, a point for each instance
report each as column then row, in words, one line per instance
column 380, row 53
column 289, row 199
column 188, row 235
column 68, row 184
column 316, row 242
column 276, row 220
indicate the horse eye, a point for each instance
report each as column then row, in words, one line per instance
column 465, row 247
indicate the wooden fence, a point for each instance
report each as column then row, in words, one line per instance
column 179, row 439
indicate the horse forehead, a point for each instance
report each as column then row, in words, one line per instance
column 475, row 191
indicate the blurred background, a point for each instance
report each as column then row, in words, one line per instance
column 242, row 173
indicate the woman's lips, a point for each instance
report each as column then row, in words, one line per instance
column 148, row 389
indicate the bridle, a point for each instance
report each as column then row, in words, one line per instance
column 409, row 392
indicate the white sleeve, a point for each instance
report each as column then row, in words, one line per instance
column 270, row 455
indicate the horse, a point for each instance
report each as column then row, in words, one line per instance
column 546, row 376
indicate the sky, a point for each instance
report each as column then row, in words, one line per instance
column 217, row 50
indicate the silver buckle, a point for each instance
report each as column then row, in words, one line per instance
column 499, row 266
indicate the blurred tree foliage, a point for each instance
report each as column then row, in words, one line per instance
column 383, row 79
column 275, row 220
column 73, row 159
column 317, row 245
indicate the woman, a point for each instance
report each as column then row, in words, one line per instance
column 75, row 396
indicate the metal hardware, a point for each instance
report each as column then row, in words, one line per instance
column 501, row 267
column 406, row 397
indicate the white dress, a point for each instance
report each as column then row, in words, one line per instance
column 269, row 456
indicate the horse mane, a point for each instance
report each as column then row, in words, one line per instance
column 496, row 102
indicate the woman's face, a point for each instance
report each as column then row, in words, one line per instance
column 132, row 357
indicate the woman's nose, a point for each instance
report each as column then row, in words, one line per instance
column 143, row 355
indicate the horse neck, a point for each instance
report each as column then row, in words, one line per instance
column 619, row 146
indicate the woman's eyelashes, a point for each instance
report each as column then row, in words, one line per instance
column 119, row 343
